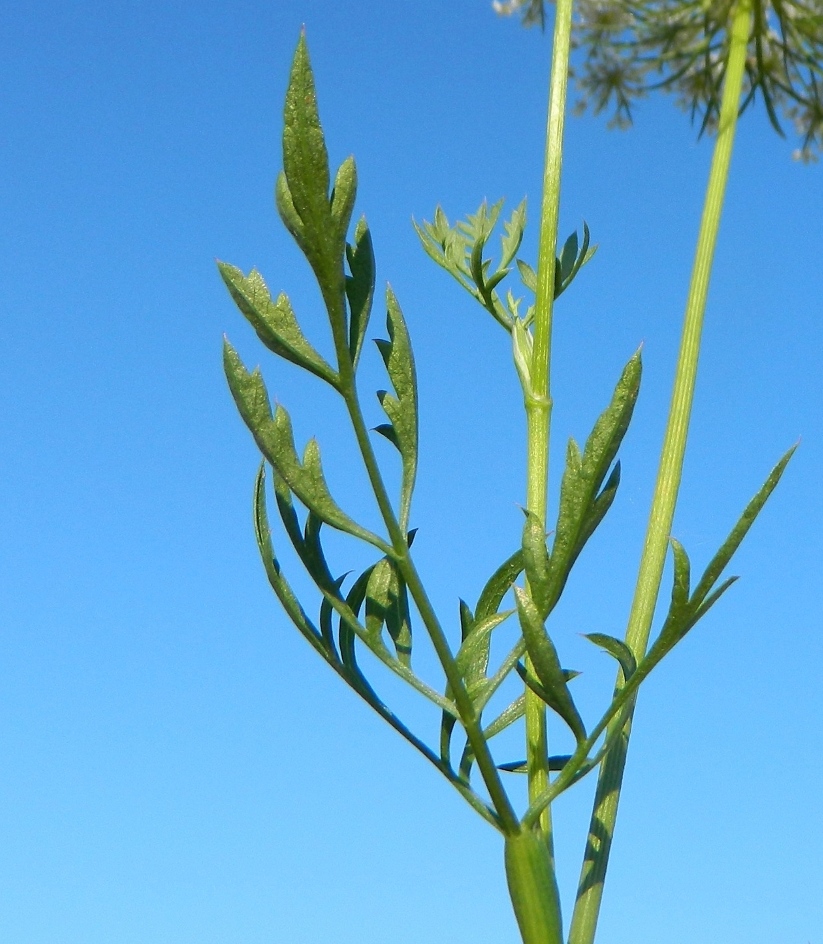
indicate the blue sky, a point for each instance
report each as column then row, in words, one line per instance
column 178, row 766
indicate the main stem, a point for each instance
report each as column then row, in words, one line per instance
column 604, row 814
column 538, row 405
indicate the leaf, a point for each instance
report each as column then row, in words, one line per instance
column 684, row 610
column 459, row 250
column 513, row 235
column 498, row 585
column 274, row 322
column 345, row 634
column 527, row 275
column 571, row 261
column 275, row 439
column 610, row 428
column 721, row 559
column 386, row 430
column 278, row 582
column 359, row 287
column 568, row 257
column 537, row 562
column 599, row 507
column 507, row 717
column 313, row 556
column 387, row 605
column 544, row 659
column 306, row 166
column 523, row 352
column 539, row 689
column 343, row 196
column 473, row 656
column 556, row 763
column 402, row 408
column 447, row 725
column 317, row 221
column 288, row 214
column 582, row 502
column 616, row 648
column 682, row 577
column 326, row 614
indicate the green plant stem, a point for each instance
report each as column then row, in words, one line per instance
column 601, row 829
column 508, row 821
column 538, row 400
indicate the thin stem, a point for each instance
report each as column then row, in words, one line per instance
column 468, row 714
column 604, row 814
column 538, row 402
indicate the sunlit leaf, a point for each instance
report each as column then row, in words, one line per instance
column 546, row 664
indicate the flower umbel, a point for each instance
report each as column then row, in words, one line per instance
column 628, row 48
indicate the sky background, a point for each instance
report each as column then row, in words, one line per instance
column 177, row 765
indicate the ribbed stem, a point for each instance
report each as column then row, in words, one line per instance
column 601, row 829
column 538, row 405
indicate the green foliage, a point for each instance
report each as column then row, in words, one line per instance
column 460, row 250
column 385, row 607
column 402, row 408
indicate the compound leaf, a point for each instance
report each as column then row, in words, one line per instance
column 275, row 439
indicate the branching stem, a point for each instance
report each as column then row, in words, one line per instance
column 485, row 762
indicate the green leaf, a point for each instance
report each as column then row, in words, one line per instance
column 278, row 582
column 582, row 502
column 539, row 689
column 387, row 605
column 275, row 439
column 359, row 287
column 571, row 261
column 713, row 597
column 546, row 664
column 556, row 763
column 506, row 718
column 447, row 725
column 537, row 562
column 386, row 430
column 473, row 656
column 682, row 577
column 598, row 508
column 345, row 634
column 721, row 559
column 513, row 235
column 459, row 250
column 326, row 615
column 567, row 259
column 274, row 322
column 527, row 275
column 306, row 166
column 499, row 584
column 684, row 610
column 343, row 196
column 616, row 648
column 402, row 408
column 610, row 428
column 313, row 556
column 288, row 213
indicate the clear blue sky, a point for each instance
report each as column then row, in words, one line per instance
column 177, row 766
